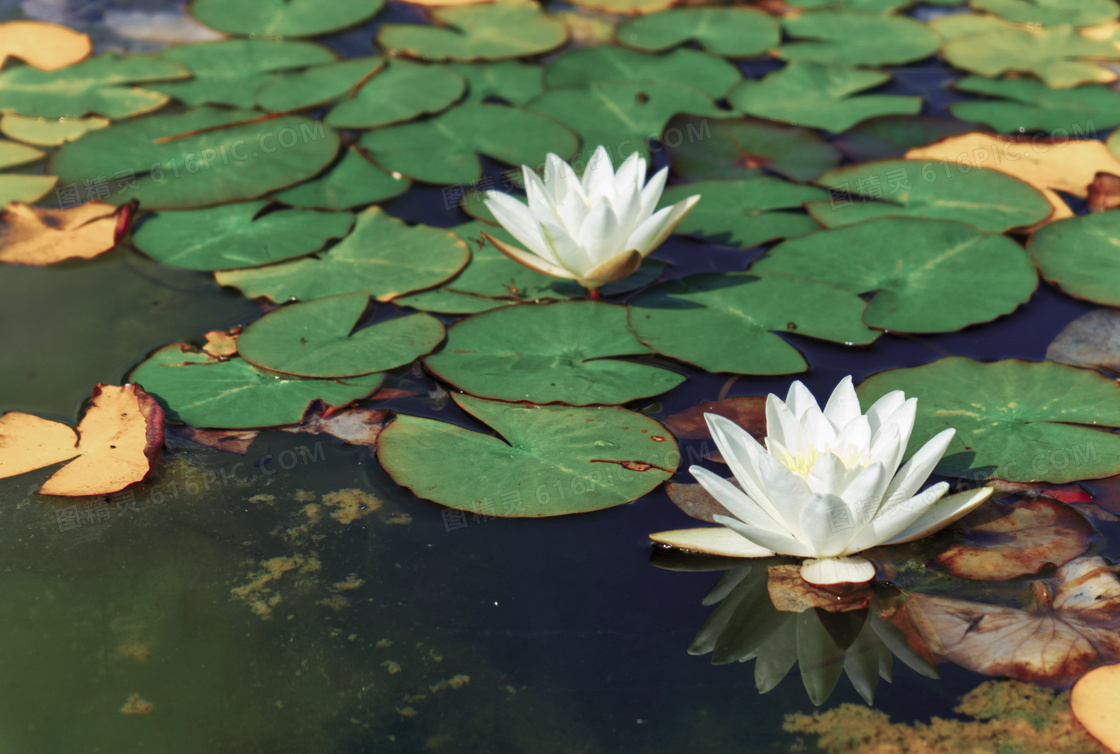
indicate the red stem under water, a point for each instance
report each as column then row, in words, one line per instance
column 593, row 294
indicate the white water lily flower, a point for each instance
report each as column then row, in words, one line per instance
column 595, row 230
column 826, row 486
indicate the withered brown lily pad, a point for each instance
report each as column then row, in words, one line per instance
column 40, row 236
column 1094, row 700
column 357, row 426
column 748, row 411
column 42, row 45
column 1104, row 192
column 696, row 501
column 792, row 594
column 1003, row 542
column 226, row 440
column 1072, row 627
column 222, row 344
column 115, row 445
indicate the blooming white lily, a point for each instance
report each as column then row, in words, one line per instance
column 595, row 230
column 825, row 486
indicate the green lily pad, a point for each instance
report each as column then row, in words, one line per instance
column 318, row 85
column 13, row 154
column 353, row 182
column 230, row 72
column 731, row 32
column 400, row 91
column 855, row 38
column 381, row 255
column 1079, row 255
column 1061, row 57
column 48, row 133
column 1051, row 12
column 444, row 149
column 741, row 213
column 490, row 31
column 237, row 235
column 622, row 115
column 1029, row 105
column 728, row 322
column 711, row 75
column 927, row 275
column 894, row 135
column 820, row 96
column 1016, row 420
column 544, row 460
column 447, row 301
column 988, row 199
column 508, row 80
column 283, row 18
column 742, row 148
column 204, row 392
column 24, row 188
column 100, row 85
column 625, row 7
column 232, row 155
column 546, row 353
column 317, row 339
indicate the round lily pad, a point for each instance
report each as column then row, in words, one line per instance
column 296, row 90
column 381, row 255
column 545, row 353
column 48, row 133
column 987, row 199
column 1079, row 255
column 893, row 135
column 1051, row 12
column 854, row 38
column 237, row 235
column 731, row 32
column 202, row 391
column 1028, row 105
column 317, row 339
column 711, row 75
column 728, row 322
column 927, row 275
column 544, row 460
column 283, row 18
column 202, row 156
column 445, row 149
column 446, row 301
column 352, row 182
column 509, row 80
column 1016, row 420
column 400, row 91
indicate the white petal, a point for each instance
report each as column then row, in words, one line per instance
column 942, row 513
column 816, row 431
column 742, row 453
column 540, row 196
column 781, row 424
column 572, row 213
column 598, row 178
column 652, row 192
column 782, row 544
column 628, row 189
column 516, row 218
column 570, row 254
column 883, row 408
column 895, row 520
column 843, row 405
column 714, row 540
column 828, row 476
column 887, row 450
column 561, row 181
column 864, row 493
column 649, row 235
column 615, row 268
column 799, row 399
column 827, row 525
column 737, row 502
column 786, row 490
column 838, row 571
column 915, row 472
column 902, row 419
column 532, row 261
column 855, row 435
column 598, row 236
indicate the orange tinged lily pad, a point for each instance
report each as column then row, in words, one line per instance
column 45, row 46
column 40, row 236
column 115, row 445
column 1095, row 700
column 790, row 593
column 222, row 344
column 748, row 411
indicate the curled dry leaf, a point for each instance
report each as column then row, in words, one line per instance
column 357, row 426
column 1104, row 192
column 45, row 46
column 1003, row 542
column 1094, row 700
column 792, row 594
column 226, row 440
column 41, row 236
column 115, row 445
column 696, row 501
column 1052, row 643
column 749, row 412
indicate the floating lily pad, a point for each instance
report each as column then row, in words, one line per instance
column 48, row 133
column 711, row 75
column 566, row 352
column 198, row 157
column 205, row 392
column 1029, row 105
column 1051, row 12
column 1079, row 255
column 24, row 188
column 892, row 135
column 491, row 31
column 742, row 213
column 100, row 85
column 237, row 235
column 622, row 115
column 627, row 7
column 855, row 38
column 544, row 460
column 447, row 301
column 821, row 96
column 318, row 85
column 709, row 148
column 400, row 91
column 696, row 318
column 509, row 80
column 1016, row 420
column 987, row 199
column 230, row 72
column 283, row 18
column 381, row 255
column 927, row 275
column 353, row 182
column 731, row 32
column 317, row 339
column 12, row 154
column 444, row 149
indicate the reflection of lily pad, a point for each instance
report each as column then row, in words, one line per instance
column 732, row 32
column 567, row 351
column 545, row 461
column 1016, row 420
